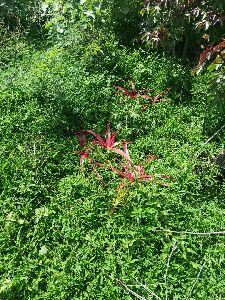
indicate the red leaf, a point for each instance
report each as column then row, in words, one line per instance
column 99, row 139
column 207, row 53
column 110, row 143
column 81, row 138
column 83, row 156
column 110, row 138
column 147, row 97
column 151, row 157
column 121, row 152
column 132, row 94
column 125, row 150
column 146, row 177
column 155, row 99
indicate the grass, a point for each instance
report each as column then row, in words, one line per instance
column 58, row 239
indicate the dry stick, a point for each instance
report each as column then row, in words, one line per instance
column 190, row 232
column 129, row 290
column 206, row 142
column 150, row 292
column 167, row 267
column 196, row 280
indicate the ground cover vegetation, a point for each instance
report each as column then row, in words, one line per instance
column 112, row 149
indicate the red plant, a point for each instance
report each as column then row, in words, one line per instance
column 135, row 172
column 83, row 156
column 155, row 99
column 129, row 170
column 133, row 93
column 110, row 142
column 81, row 138
column 110, row 138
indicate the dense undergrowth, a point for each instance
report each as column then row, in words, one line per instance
column 58, row 238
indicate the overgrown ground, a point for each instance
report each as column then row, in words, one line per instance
column 58, row 238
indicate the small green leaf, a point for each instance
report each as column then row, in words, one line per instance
column 43, row 250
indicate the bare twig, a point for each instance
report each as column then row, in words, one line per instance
column 167, row 267
column 191, row 233
column 129, row 290
column 127, row 287
column 206, row 142
column 196, row 280
column 153, row 294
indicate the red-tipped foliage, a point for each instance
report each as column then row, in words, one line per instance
column 207, row 53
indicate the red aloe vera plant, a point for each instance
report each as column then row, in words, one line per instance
column 109, row 143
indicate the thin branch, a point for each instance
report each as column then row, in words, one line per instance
column 192, row 233
column 196, row 280
column 206, row 142
column 129, row 290
column 167, row 268
column 150, row 292
column 127, row 287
